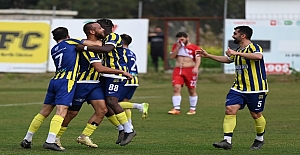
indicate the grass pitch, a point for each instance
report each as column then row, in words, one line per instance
column 21, row 97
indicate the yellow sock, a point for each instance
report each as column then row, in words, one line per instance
column 126, row 105
column 113, row 120
column 128, row 113
column 61, row 131
column 122, row 117
column 229, row 123
column 89, row 129
column 55, row 124
column 36, row 123
column 260, row 124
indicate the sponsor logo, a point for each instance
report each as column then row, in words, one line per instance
column 288, row 22
column 111, row 92
column 273, row 22
column 298, row 23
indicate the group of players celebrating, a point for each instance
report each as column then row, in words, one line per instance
column 99, row 70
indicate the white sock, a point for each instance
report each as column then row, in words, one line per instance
column 176, row 102
column 127, row 127
column 228, row 138
column 137, row 106
column 51, row 138
column 260, row 138
column 120, row 127
column 29, row 136
column 193, row 102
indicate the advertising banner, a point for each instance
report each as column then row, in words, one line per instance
column 136, row 28
column 279, row 39
column 24, row 46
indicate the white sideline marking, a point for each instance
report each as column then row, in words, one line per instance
column 33, row 103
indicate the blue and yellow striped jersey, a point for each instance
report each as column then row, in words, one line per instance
column 250, row 74
column 66, row 59
column 132, row 68
column 115, row 59
column 87, row 72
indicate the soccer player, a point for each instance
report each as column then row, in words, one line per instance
column 249, row 88
column 113, row 52
column 130, row 88
column 89, row 88
column 61, row 88
column 185, row 72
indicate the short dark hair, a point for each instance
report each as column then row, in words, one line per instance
column 245, row 30
column 105, row 23
column 87, row 27
column 126, row 39
column 60, row 33
column 181, row 34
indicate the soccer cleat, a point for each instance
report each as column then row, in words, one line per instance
column 257, row 144
column 57, row 141
column 174, row 112
column 25, row 144
column 223, row 144
column 127, row 138
column 86, row 141
column 52, row 146
column 120, row 137
column 191, row 112
column 145, row 110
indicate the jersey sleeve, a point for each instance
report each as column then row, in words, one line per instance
column 91, row 57
column 74, row 41
column 114, row 39
column 256, row 49
column 173, row 47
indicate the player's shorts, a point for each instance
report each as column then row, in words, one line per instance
column 127, row 93
column 184, row 76
column 254, row 101
column 86, row 92
column 60, row 92
column 113, row 87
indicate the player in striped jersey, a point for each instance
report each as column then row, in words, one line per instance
column 89, row 88
column 250, row 86
column 129, row 89
column 113, row 84
column 61, row 88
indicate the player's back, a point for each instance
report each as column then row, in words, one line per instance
column 132, row 68
column 66, row 59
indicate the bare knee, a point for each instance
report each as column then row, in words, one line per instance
column 232, row 109
column 256, row 115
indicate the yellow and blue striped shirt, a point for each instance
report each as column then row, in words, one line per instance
column 250, row 74
column 87, row 72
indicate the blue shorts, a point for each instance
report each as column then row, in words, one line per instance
column 87, row 92
column 128, row 92
column 60, row 92
column 254, row 101
column 113, row 87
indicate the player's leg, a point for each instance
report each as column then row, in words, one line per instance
column 234, row 102
column 177, row 82
column 256, row 104
column 110, row 115
column 154, row 57
column 64, row 98
column 40, row 117
column 191, row 83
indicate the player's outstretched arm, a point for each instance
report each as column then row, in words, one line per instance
column 103, row 69
column 204, row 54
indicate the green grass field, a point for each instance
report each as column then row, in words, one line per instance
column 21, row 97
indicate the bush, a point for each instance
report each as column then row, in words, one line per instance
column 208, row 63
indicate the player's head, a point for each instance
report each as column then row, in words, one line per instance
column 60, row 33
column 183, row 37
column 107, row 24
column 126, row 39
column 242, row 32
column 93, row 28
column 157, row 29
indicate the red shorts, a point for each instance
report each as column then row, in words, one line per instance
column 184, row 76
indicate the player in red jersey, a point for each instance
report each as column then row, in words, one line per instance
column 185, row 72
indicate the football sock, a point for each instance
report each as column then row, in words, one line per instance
column 176, row 102
column 34, row 126
column 228, row 126
column 137, row 106
column 89, row 129
column 123, row 120
column 113, row 120
column 126, row 105
column 128, row 115
column 61, row 131
column 55, row 126
column 260, row 125
column 193, row 102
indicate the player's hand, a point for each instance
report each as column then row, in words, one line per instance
column 79, row 47
column 201, row 53
column 195, row 70
column 230, row 52
column 128, row 75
